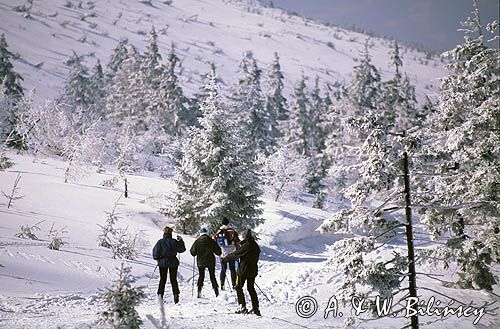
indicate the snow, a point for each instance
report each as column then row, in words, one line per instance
column 42, row 288
column 203, row 31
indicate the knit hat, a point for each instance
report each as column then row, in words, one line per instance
column 203, row 230
column 167, row 230
column 225, row 221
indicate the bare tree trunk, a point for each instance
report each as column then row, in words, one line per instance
column 412, row 278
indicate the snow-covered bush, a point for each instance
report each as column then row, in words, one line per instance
column 283, row 173
column 56, row 238
column 5, row 162
column 120, row 241
column 120, row 300
column 125, row 244
column 27, row 232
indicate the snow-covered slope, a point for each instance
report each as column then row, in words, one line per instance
column 203, row 31
column 42, row 288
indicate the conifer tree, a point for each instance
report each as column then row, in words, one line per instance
column 11, row 93
column 217, row 175
column 275, row 102
column 298, row 127
column 77, row 90
column 9, row 79
column 120, row 53
column 120, row 300
column 364, row 88
column 171, row 103
column 397, row 103
column 128, row 99
column 199, row 96
column 98, row 89
column 464, row 153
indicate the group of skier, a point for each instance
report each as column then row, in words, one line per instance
column 226, row 244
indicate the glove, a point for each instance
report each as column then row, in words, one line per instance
column 179, row 238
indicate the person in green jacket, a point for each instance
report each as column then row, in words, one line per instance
column 205, row 248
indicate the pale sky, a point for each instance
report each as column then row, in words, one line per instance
column 432, row 23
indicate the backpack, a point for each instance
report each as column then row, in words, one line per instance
column 223, row 238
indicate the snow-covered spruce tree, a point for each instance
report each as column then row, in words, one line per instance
column 120, row 53
column 218, row 175
column 375, row 195
column 10, row 80
column 298, row 133
column 198, row 97
column 120, row 300
column 275, row 102
column 129, row 98
column 364, row 89
column 170, row 105
column 98, row 90
column 77, row 90
column 11, row 92
column 463, row 206
column 397, row 101
column 261, row 121
column 249, row 110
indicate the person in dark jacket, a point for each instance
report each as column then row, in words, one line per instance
column 248, row 253
column 204, row 248
column 165, row 252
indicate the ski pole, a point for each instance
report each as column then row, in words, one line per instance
column 262, row 292
column 152, row 275
column 192, row 287
column 227, row 281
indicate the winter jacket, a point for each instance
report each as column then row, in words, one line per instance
column 205, row 247
column 166, row 249
column 234, row 240
column 248, row 254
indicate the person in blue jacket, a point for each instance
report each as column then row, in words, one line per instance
column 165, row 252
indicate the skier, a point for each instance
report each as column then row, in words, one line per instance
column 205, row 247
column 227, row 239
column 165, row 252
column 248, row 254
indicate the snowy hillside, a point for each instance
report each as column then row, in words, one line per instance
column 42, row 288
column 203, row 31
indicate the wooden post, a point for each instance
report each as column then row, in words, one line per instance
column 126, row 187
column 412, row 277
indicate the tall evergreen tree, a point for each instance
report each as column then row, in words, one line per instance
column 11, row 93
column 78, row 89
column 217, row 175
column 275, row 102
column 9, row 79
column 120, row 53
column 171, row 103
column 127, row 100
column 202, row 93
column 98, row 89
column 397, row 104
column 364, row 88
column 465, row 147
column 298, row 127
